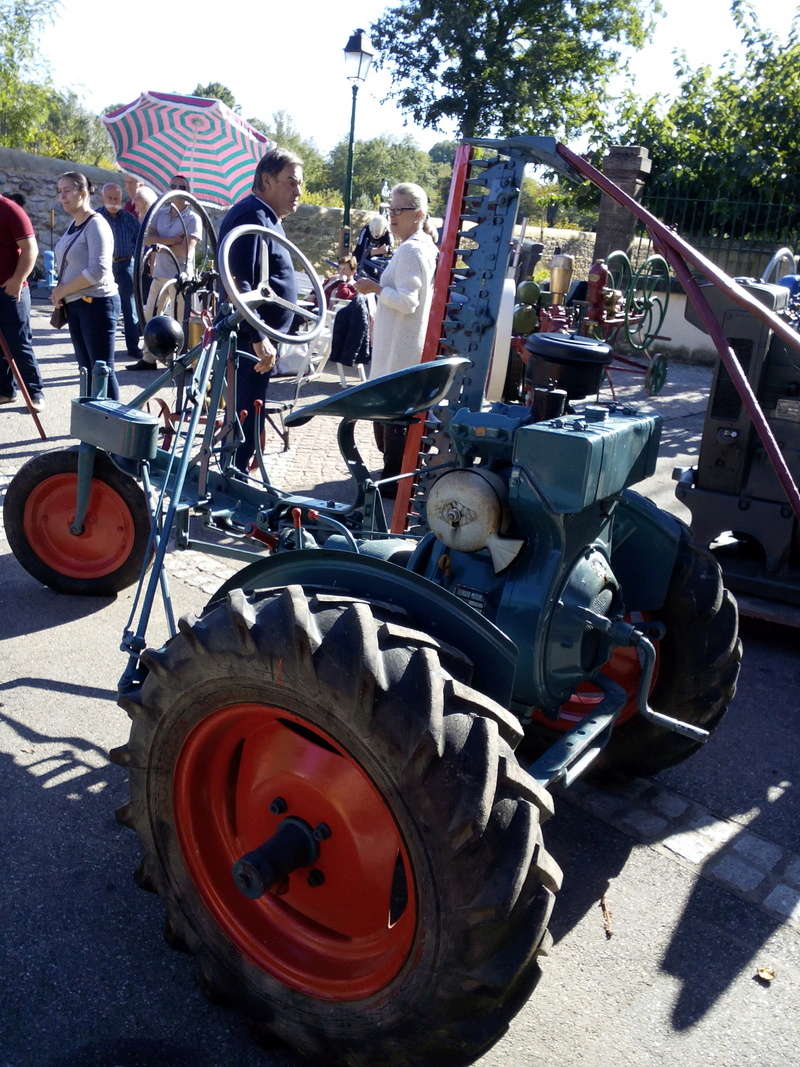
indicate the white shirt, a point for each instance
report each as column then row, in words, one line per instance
column 404, row 303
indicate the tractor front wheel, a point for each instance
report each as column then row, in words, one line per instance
column 339, row 828
column 39, row 509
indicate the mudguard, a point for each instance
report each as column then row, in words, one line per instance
column 430, row 608
column 644, row 550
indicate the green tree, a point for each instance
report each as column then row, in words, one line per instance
column 508, row 67
column 284, row 133
column 23, row 102
column 217, row 91
column 728, row 133
column 378, row 160
column 443, row 151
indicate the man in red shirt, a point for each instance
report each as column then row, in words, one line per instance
column 18, row 250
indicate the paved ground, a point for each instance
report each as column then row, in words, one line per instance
column 698, row 869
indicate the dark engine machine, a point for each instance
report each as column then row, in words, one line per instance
column 738, row 505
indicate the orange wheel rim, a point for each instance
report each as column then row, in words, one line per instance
column 109, row 532
column 623, row 668
column 344, row 939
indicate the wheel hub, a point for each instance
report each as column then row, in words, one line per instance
column 292, row 845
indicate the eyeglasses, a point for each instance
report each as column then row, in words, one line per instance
column 397, row 210
column 183, row 188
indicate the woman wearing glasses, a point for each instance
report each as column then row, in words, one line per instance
column 86, row 286
column 404, row 300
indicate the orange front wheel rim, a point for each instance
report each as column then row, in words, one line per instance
column 108, row 536
column 338, row 929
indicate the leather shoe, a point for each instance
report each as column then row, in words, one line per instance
column 140, row 364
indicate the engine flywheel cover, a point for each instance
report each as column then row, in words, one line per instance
column 465, row 507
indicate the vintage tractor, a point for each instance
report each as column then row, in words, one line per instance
column 323, row 764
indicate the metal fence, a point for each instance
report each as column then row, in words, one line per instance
column 738, row 236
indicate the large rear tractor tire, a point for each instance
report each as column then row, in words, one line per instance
column 40, row 506
column 410, row 933
column 697, row 667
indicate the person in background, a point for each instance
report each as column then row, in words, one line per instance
column 125, row 228
column 132, row 186
column 86, row 285
column 143, row 200
column 178, row 228
column 341, row 286
column 404, row 299
column 374, row 240
column 277, row 186
column 18, row 251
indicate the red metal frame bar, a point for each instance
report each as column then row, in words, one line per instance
column 430, row 350
column 678, row 254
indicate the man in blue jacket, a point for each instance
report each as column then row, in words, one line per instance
column 125, row 228
column 277, row 186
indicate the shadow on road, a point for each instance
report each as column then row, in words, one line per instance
column 93, row 983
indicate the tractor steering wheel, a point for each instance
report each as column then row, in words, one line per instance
column 246, row 303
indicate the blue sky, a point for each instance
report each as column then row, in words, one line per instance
column 289, row 57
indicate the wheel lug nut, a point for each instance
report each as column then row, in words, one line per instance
column 278, row 806
column 315, row 877
column 322, row 832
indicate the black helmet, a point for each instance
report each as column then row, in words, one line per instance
column 163, row 336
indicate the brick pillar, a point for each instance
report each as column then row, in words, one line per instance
column 627, row 167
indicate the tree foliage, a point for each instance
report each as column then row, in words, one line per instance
column 508, row 67
column 379, row 160
column 216, row 91
column 35, row 117
column 729, row 133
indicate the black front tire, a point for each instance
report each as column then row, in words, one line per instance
column 395, row 703
column 698, row 666
column 39, row 507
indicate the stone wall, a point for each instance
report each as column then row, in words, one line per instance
column 314, row 229
column 35, row 177
column 575, row 243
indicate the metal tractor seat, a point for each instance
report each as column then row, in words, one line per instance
column 390, row 398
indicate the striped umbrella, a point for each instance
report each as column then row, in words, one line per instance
column 160, row 135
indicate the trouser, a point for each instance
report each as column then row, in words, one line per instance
column 92, row 329
column 15, row 324
column 123, row 276
column 391, row 441
column 162, row 300
column 250, row 387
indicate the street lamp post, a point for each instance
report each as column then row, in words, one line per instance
column 357, row 59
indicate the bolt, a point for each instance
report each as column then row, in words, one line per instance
column 315, row 877
column 278, row 806
column 322, row 832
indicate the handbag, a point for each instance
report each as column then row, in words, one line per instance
column 58, row 320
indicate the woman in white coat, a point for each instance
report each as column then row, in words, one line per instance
column 404, row 301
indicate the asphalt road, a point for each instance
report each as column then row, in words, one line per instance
column 696, row 868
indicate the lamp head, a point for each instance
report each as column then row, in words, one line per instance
column 358, row 56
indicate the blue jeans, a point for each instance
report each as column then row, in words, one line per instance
column 15, row 324
column 250, row 387
column 123, row 276
column 92, row 329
